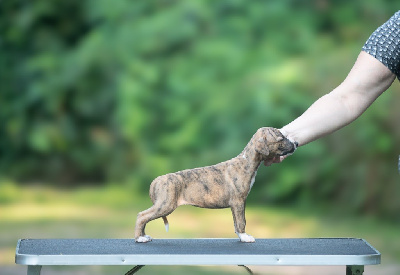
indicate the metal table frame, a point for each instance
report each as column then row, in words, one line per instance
column 350, row 252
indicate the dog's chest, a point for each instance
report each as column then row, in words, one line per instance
column 253, row 178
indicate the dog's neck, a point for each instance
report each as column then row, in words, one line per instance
column 249, row 160
column 251, row 156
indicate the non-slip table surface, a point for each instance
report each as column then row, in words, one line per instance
column 314, row 251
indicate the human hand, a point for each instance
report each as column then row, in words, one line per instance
column 277, row 159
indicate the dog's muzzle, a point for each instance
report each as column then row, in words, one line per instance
column 294, row 147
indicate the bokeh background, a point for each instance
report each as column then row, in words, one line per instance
column 97, row 98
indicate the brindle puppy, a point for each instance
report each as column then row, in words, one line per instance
column 223, row 185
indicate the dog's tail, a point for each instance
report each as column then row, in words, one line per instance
column 166, row 223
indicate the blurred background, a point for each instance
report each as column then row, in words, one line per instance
column 97, row 98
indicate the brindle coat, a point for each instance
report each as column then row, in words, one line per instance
column 223, row 185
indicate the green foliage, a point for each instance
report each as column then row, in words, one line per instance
column 97, row 91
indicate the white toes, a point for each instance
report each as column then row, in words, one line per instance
column 143, row 239
column 245, row 238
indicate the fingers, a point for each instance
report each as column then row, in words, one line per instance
column 269, row 162
column 277, row 159
column 281, row 158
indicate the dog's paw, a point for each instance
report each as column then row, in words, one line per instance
column 143, row 239
column 245, row 238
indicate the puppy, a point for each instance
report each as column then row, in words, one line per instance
column 226, row 184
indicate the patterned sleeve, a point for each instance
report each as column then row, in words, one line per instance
column 384, row 44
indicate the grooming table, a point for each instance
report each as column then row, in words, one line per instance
column 349, row 252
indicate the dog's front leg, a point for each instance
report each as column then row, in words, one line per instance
column 239, row 219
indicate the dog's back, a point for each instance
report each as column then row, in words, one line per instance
column 186, row 186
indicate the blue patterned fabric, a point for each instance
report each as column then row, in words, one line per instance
column 384, row 44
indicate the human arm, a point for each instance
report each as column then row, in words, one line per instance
column 367, row 80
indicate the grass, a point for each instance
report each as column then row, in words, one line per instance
column 37, row 212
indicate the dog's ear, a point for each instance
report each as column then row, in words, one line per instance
column 261, row 146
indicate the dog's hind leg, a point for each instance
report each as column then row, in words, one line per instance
column 142, row 219
column 164, row 192
column 158, row 210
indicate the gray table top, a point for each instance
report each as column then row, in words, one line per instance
column 309, row 251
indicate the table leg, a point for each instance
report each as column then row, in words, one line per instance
column 34, row 269
column 354, row 270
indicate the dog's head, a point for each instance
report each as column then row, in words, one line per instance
column 269, row 142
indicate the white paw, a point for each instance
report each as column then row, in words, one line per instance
column 143, row 239
column 246, row 238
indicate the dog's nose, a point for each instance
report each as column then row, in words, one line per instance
column 293, row 147
column 287, row 152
